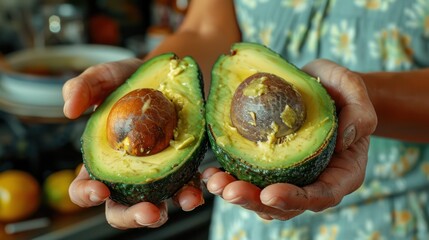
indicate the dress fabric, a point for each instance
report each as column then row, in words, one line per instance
column 363, row 35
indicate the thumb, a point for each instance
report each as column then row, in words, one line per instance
column 357, row 117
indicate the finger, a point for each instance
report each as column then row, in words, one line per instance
column 343, row 175
column 242, row 193
column 247, row 196
column 279, row 196
column 188, row 198
column 86, row 192
column 94, row 84
column 357, row 114
column 265, row 216
column 144, row 214
column 295, row 200
column 218, row 181
column 208, row 173
column 283, row 215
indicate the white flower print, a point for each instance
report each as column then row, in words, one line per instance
column 407, row 161
column 328, row 232
column 342, row 36
column 418, row 211
column 423, row 197
column 368, row 233
column 253, row 3
column 245, row 214
column 247, row 25
column 297, row 5
column 401, row 184
column 373, row 189
column 381, row 5
column 392, row 47
column 316, row 32
column 265, row 33
column 293, row 233
column 386, row 162
column 237, row 231
column 350, row 213
column 296, row 36
column 418, row 16
column 226, row 207
column 218, row 227
column 250, row 3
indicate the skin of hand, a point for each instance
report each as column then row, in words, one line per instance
column 201, row 28
column 89, row 89
column 352, row 101
column 345, row 172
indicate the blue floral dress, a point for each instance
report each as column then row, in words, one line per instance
column 363, row 35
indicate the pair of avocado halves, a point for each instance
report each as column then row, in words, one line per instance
column 265, row 120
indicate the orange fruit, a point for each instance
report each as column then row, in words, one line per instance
column 20, row 195
column 55, row 188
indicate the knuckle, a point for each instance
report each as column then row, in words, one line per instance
column 95, row 68
column 264, row 216
column 287, row 216
column 328, row 200
column 374, row 121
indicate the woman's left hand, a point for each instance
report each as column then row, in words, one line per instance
column 345, row 172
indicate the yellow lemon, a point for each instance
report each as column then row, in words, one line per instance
column 55, row 188
column 20, row 195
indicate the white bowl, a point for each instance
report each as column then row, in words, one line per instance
column 31, row 95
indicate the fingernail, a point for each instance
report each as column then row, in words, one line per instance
column 95, row 198
column 239, row 201
column 349, row 136
column 213, row 188
column 66, row 107
column 276, row 202
column 185, row 204
column 163, row 217
column 141, row 222
column 188, row 205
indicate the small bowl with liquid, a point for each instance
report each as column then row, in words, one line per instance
column 32, row 86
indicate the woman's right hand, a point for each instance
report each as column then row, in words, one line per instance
column 92, row 86
column 89, row 89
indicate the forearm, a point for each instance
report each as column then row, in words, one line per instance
column 208, row 31
column 401, row 100
column 203, row 49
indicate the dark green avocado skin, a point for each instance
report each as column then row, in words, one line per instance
column 304, row 173
column 164, row 187
column 158, row 190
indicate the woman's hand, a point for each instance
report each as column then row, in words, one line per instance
column 88, row 193
column 345, row 172
column 92, row 86
column 90, row 89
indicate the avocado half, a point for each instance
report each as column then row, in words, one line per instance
column 297, row 158
column 153, row 178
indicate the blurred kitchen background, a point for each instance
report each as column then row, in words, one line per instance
column 42, row 44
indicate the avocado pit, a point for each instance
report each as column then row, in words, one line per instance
column 265, row 104
column 141, row 123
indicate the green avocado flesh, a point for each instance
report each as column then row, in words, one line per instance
column 299, row 157
column 156, row 177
